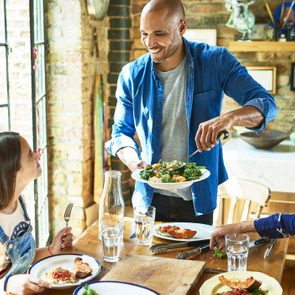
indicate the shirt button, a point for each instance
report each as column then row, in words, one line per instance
column 10, row 246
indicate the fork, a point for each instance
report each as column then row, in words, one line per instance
column 68, row 212
column 222, row 132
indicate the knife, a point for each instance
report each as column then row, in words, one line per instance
column 192, row 253
column 259, row 242
column 269, row 248
column 157, row 249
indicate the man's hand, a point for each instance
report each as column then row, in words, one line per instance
column 207, row 135
column 25, row 284
column 133, row 165
column 130, row 158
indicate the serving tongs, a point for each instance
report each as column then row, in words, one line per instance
column 157, row 249
column 225, row 134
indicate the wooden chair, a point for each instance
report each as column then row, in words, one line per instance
column 241, row 199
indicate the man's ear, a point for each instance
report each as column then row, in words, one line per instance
column 182, row 27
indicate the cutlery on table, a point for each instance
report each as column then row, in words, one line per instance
column 157, row 249
column 259, row 242
column 213, row 270
column 269, row 248
column 225, row 134
column 68, row 212
column 193, row 253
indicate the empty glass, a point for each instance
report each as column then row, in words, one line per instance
column 144, row 223
column 237, row 249
column 112, row 238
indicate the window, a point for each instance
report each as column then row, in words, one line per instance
column 5, row 123
column 23, row 97
column 39, row 103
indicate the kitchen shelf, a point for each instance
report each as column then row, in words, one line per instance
column 261, row 46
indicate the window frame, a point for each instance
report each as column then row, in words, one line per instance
column 6, row 46
column 39, row 117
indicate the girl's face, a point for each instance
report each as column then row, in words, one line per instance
column 30, row 168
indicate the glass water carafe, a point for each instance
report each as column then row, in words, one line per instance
column 111, row 204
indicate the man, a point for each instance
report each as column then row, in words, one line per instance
column 275, row 226
column 171, row 97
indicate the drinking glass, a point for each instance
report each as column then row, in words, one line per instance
column 112, row 238
column 237, row 249
column 144, row 224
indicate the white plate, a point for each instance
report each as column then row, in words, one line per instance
column 170, row 186
column 203, row 230
column 114, row 287
column 45, row 265
column 213, row 285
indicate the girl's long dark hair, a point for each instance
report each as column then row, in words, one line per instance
column 10, row 158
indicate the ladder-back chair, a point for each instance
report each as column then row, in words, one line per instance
column 241, row 199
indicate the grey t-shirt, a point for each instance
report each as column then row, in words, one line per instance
column 174, row 135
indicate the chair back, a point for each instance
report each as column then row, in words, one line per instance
column 241, row 199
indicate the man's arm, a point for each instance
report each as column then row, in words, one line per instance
column 248, row 116
column 258, row 106
column 130, row 158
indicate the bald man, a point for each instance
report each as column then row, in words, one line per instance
column 171, row 97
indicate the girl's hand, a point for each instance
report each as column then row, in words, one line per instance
column 62, row 240
column 25, row 284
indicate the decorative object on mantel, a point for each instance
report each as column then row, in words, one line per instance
column 241, row 18
column 264, row 75
column 267, row 140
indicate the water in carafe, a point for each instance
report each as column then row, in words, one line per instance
column 111, row 205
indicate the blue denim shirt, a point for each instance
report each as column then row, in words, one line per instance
column 20, row 249
column 211, row 71
column 276, row 226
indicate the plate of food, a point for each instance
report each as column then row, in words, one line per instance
column 241, row 282
column 66, row 270
column 183, row 231
column 171, row 175
column 113, row 287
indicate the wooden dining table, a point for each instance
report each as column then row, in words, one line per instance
column 89, row 244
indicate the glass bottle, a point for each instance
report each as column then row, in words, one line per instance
column 111, row 204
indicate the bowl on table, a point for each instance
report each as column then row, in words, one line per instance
column 266, row 140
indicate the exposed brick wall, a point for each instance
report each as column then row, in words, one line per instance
column 120, row 36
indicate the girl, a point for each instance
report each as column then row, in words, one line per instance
column 18, row 167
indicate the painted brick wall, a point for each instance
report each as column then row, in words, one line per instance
column 71, row 70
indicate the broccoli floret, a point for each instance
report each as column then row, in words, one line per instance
column 167, row 178
column 147, row 173
column 191, row 171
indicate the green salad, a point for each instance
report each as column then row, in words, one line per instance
column 88, row 291
column 164, row 171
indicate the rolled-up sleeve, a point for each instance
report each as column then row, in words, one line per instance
column 276, row 226
column 123, row 129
